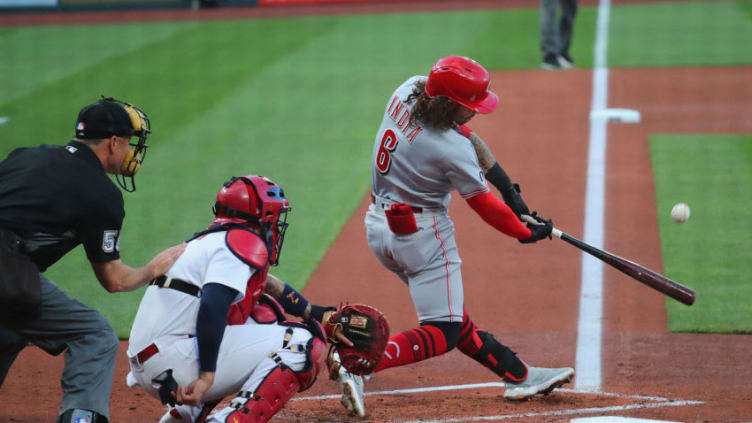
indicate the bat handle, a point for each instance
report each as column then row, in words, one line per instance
column 531, row 220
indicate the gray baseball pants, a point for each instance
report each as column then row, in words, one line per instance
column 556, row 37
column 90, row 346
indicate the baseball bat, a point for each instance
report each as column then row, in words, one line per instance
column 636, row 271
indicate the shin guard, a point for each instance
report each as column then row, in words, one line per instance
column 482, row 347
column 273, row 393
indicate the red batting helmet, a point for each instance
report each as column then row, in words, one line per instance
column 464, row 81
column 255, row 199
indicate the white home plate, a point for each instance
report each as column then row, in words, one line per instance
column 616, row 115
column 614, row 419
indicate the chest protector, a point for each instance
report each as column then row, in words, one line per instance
column 251, row 250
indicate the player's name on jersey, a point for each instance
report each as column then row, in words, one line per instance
column 403, row 121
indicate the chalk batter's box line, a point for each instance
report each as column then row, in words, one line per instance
column 485, row 385
column 657, row 402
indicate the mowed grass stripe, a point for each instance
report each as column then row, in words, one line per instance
column 710, row 252
column 32, row 57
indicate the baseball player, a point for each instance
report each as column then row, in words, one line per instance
column 213, row 325
column 420, row 156
column 52, row 199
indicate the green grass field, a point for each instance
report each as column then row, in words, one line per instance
column 291, row 98
column 713, row 174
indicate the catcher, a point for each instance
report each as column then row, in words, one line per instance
column 214, row 324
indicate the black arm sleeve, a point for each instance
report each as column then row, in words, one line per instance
column 211, row 321
column 499, row 178
column 509, row 191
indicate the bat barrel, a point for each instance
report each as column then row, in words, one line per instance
column 638, row 272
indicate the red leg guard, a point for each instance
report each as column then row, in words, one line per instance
column 273, row 393
column 412, row 346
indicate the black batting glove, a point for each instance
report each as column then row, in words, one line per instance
column 540, row 230
column 514, row 200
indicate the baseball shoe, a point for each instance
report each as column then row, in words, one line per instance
column 565, row 61
column 550, row 62
column 172, row 416
column 350, row 385
column 180, row 413
column 539, row 381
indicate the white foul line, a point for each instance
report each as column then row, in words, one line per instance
column 589, row 327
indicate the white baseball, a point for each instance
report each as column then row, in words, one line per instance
column 680, row 213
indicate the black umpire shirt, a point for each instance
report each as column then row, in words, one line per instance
column 56, row 197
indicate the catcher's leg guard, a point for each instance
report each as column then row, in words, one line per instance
column 486, row 350
column 276, row 389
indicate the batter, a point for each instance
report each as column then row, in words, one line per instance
column 421, row 154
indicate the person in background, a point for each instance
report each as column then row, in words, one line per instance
column 556, row 36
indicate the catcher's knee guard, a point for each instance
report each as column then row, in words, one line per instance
column 267, row 310
column 273, row 393
column 76, row 415
column 315, row 356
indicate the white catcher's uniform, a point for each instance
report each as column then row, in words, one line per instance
column 419, row 166
column 167, row 319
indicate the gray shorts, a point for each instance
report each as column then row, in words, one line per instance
column 427, row 261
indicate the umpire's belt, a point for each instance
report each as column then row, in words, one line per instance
column 384, row 204
column 165, row 281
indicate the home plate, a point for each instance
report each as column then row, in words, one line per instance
column 614, row 419
column 616, row 115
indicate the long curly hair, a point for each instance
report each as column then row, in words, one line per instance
column 436, row 112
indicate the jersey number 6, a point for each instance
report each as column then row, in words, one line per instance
column 384, row 156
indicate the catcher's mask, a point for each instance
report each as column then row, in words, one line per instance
column 464, row 81
column 255, row 199
column 108, row 117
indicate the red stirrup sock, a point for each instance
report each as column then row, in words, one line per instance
column 412, row 346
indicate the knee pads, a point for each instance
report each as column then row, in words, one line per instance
column 315, row 355
column 76, row 415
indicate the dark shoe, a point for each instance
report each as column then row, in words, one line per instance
column 550, row 62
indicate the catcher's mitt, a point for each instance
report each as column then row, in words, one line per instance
column 368, row 330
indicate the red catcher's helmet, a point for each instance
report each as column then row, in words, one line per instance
column 464, row 81
column 255, row 199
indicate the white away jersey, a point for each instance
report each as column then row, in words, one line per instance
column 165, row 311
column 420, row 166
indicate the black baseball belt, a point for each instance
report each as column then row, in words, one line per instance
column 165, row 281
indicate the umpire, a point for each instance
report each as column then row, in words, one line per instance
column 53, row 198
